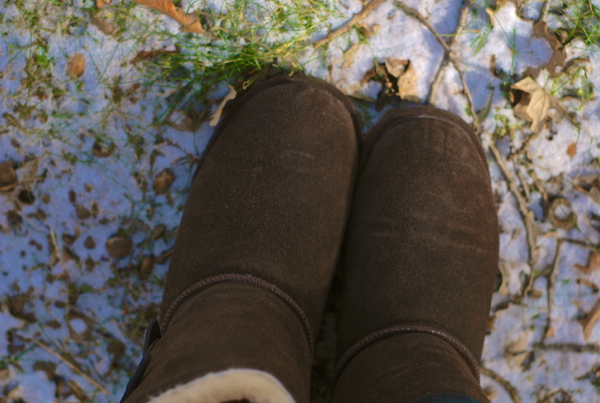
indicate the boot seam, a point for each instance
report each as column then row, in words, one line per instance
column 240, row 278
column 374, row 337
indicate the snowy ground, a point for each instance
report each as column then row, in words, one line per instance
column 103, row 146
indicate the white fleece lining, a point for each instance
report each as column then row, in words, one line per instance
column 233, row 384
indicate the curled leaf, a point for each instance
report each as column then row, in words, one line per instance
column 396, row 67
column 407, row 83
column 189, row 22
column 535, row 105
column 214, row 120
column 561, row 214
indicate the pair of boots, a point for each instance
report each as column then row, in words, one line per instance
column 281, row 188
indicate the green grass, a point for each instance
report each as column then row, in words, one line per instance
column 580, row 20
column 242, row 41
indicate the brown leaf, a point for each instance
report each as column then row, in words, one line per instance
column 163, row 257
column 590, row 320
column 118, row 246
column 8, row 176
column 147, row 265
column 535, row 104
column 102, row 3
column 82, row 212
column 76, row 66
column 163, row 181
column 572, row 150
column 593, row 263
column 104, row 26
column 89, row 243
column 406, row 85
column 505, row 272
column 158, row 231
column 189, row 22
column 558, row 57
column 102, row 150
column 214, row 120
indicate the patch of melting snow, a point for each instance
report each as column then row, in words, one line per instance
column 72, row 282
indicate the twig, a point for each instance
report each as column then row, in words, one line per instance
column 70, row 365
column 583, row 244
column 514, row 154
column 524, row 184
column 550, row 286
column 526, row 215
column 346, row 27
column 540, row 187
column 462, row 20
column 411, row 12
column 567, row 348
column 544, row 11
column 512, row 391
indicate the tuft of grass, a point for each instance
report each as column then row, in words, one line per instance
column 243, row 41
column 580, row 19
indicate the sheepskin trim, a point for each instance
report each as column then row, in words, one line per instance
column 230, row 385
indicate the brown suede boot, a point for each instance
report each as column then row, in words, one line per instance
column 420, row 261
column 256, row 251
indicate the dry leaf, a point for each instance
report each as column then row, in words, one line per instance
column 590, row 320
column 588, row 283
column 89, row 242
column 8, row 176
column 572, row 150
column 490, row 393
column 214, row 120
column 407, row 83
column 163, row 181
column 590, row 185
column 82, row 212
column 505, row 273
column 348, row 57
column 189, row 22
column 102, row 150
column 102, row 3
column 558, row 57
column 118, row 246
column 593, row 263
column 147, row 265
column 29, row 173
column 490, row 14
column 396, row 67
column 535, row 104
column 158, row 231
column 76, row 66
column 375, row 28
column 105, row 27
column 515, row 351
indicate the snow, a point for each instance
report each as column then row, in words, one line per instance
column 76, row 290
